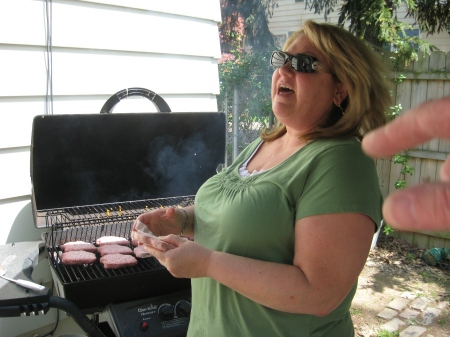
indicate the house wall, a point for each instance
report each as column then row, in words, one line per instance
column 99, row 47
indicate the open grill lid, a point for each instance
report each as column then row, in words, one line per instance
column 88, row 159
column 100, row 158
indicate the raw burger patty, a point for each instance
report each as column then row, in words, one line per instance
column 115, row 261
column 134, row 242
column 78, row 245
column 141, row 253
column 78, row 257
column 112, row 240
column 114, row 249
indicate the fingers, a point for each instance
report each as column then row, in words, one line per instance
column 158, row 254
column 424, row 122
column 422, row 207
column 174, row 240
column 159, row 221
column 170, row 258
column 157, row 242
column 157, row 246
column 170, row 213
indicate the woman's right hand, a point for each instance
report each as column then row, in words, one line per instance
column 162, row 221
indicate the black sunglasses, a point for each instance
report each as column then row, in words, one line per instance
column 300, row 62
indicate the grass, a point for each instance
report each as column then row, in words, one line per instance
column 355, row 311
column 386, row 333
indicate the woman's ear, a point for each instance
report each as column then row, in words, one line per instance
column 340, row 94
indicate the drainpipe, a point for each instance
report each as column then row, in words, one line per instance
column 235, row 124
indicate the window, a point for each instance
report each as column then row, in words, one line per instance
column 408, row 33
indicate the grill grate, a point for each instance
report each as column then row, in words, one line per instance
column 88, row 223
column 95, row 271
column 106, row 213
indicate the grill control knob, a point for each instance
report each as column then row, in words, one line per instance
column 166, row 311
column 183, row 308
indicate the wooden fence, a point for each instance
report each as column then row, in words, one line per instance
column 428, row 78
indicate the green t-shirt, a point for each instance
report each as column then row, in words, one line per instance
column 255, row 217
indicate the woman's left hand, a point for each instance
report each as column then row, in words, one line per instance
column 187, row 260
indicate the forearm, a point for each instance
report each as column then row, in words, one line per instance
column 317, row 281
column 277, row 286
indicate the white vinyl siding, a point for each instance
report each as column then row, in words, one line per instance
column 99, row 48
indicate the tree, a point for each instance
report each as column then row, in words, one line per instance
column 246, row 44
column 247, row 17
column 376, row 21
column 433, row 16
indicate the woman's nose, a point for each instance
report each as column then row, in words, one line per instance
column 286, row 69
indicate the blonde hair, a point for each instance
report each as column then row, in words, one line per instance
column 360, row 69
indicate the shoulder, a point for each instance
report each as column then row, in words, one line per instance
column 351, row 143
column 337, row 148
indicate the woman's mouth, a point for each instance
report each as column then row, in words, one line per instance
column 285, row 89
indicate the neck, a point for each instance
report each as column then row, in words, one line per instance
column 292, row 139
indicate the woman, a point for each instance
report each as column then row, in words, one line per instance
column 282, row 234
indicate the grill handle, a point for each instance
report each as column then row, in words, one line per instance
column 159, row 102
column 79, row 317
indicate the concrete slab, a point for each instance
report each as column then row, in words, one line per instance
column 429, row 314
column 420, row 303
column 409, row 313
column 393, row 325
column 408, row 295
column 413, row 331
column 388, row 313
column 398, row 303
column 443, row 305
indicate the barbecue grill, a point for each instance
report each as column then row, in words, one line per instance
column 93, row 174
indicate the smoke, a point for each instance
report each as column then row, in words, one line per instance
column 176, row 166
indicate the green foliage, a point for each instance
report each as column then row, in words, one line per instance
column 321, row 6
column 247, row 72
column 394, row 111
column 246, row 18
column 402, row 159
column 252, row 75
column 432, row 16
column 355, row 311
column 387, row 229
column 387, row 333
column 376, row 21
column 399, row 79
